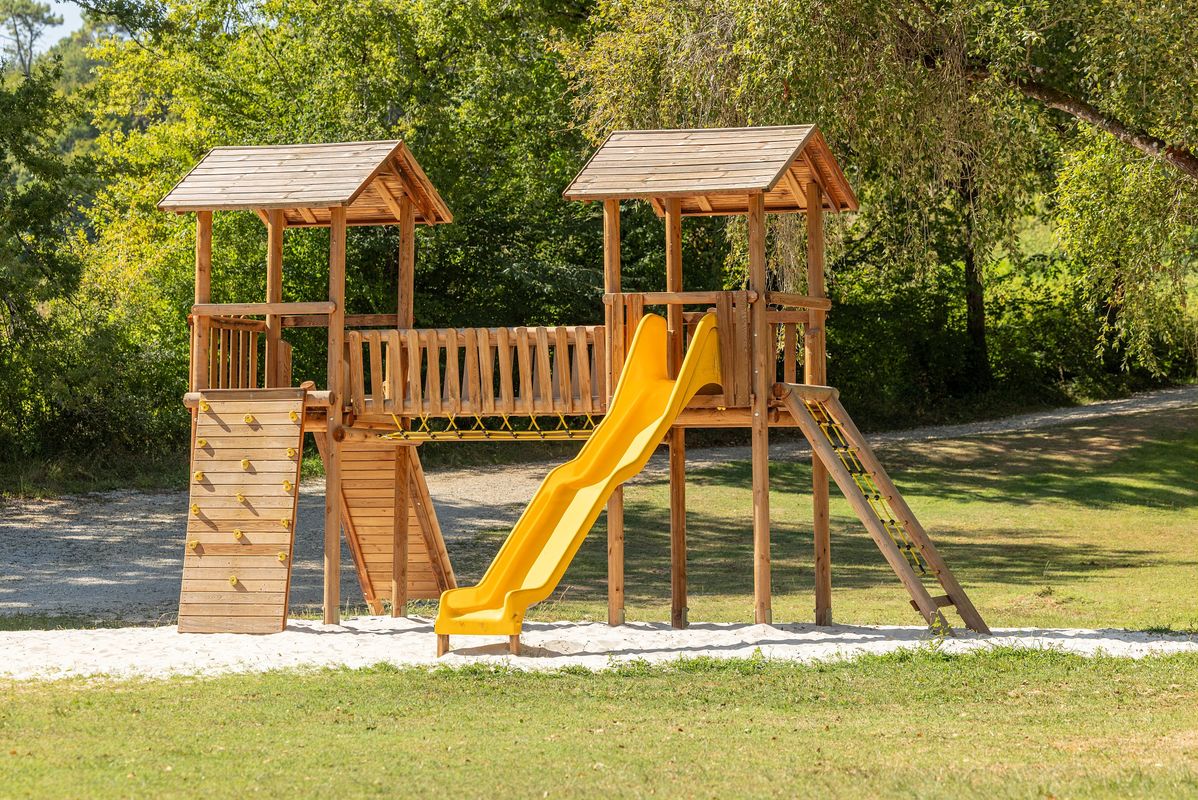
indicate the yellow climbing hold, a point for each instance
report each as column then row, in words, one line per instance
column 245, row 464
column 294, row 415
column 249, row 419
column 291, row 452
column 285, row 522
column 204, row 405
column 232, row 580
column 195, row 510
column 282, row 557
column 193, row 544
column 287, row 486
column 201, row 443
column 238, row 533
column 240, row 497
column 199, row 476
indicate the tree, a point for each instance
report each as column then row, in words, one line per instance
column 962, row 105
column 24, row 22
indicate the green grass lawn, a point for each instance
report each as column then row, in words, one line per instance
column 1092, row 524
column 996, row 725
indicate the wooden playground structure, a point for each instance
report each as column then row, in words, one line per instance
column 391, row 386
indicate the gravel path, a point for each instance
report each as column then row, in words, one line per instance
column 365, row 641
column 118, row 554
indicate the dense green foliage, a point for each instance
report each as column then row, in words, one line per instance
column 1006, row 253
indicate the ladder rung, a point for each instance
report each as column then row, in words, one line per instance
column 941, row 601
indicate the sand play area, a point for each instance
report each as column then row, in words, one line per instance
column 366, row 641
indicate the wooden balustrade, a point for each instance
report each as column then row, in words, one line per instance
column 236, row 351
column 478, row 371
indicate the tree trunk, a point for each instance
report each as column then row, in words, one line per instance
column 977, row 358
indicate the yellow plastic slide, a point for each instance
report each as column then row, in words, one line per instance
column 533, row 559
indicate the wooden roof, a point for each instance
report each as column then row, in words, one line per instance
column 305, row 180
column 714, row 169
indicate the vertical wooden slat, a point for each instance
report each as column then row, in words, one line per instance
column 544, row 371
column 725, row 326
column 416, row 398
column 376, row 371
column 235, row 359
column 790, row 353
column 503, row 347
column 432, row 388
column 743, row 346
column 453, row 377
column 356, row 372
column 253, row 360
column 472, row 393
column 561, row 365
column 599, row 370
column 524, row 364
column 395, row 374
column 486, row 363
column 582, row 371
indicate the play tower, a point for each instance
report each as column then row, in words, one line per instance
column 749, row 357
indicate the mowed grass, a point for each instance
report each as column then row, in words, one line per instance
column 995, row 725
column 1093, row 524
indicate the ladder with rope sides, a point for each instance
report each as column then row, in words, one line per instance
column 877, row 502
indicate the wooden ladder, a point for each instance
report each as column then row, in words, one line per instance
column 877, row 502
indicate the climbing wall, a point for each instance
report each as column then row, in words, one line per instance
column 368, row 483
column 246, row 451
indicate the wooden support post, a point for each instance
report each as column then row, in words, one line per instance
column 763, row 375
column 815, row 372
column 399, row 533
column 442, row 644
column 275, row 225
column 677, row 435
column 407, row 263
column 513, row 644
column 615, row 505
column 404, row 317
column 336, row 372
column 203, row 294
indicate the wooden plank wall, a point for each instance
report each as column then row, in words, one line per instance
column 245, row 468
column 368, row 489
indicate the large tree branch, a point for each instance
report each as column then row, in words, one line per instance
column 1180, row 157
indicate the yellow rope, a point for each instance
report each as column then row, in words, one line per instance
column 479, row 432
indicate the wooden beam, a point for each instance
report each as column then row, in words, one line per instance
column 262, row 215
column 275, row 226
column 388, row 199
column 815, row 372
column 413, row 190
column 336, row 372
column 763, row 379
column 307, row 214
column 658, row 208
column 405, row 302
column 399, row 534
column 613, row 346
column 229, row 309
column 677, row 438
column 703, row 202
column 203, row 294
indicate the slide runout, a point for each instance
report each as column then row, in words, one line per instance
column 544, row 540
column 887, row 517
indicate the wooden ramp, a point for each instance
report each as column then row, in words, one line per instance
column 876, row 500
column 370, row 475
column 247, row 446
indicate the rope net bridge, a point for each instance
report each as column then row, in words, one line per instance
column 877, row 502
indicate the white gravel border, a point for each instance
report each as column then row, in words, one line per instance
column 366, row 641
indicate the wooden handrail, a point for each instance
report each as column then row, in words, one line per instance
column 236, row 323
column 351, row 320
column 313, row 399
column 230, row 309
column 673, row 298
column 792, row 300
